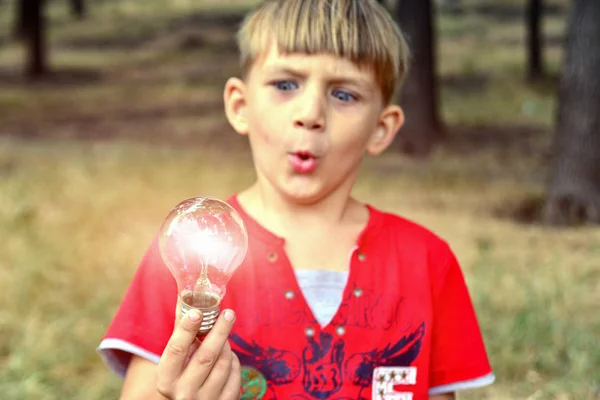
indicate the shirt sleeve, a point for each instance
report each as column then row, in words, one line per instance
column 145, row 318
column 458, row 356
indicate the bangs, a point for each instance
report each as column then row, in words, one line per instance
column 357, row 30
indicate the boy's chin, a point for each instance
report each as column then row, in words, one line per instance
column 307, row 190
column 303, row 197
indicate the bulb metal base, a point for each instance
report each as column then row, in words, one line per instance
column 208, row 304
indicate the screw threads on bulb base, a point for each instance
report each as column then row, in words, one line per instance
column 209, row 306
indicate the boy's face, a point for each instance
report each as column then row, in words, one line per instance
column 310, row 120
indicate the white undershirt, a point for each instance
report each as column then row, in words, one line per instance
column 323, row 291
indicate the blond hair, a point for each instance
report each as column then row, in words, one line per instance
column 361, row 31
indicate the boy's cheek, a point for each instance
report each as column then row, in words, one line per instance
column 267, row 129
column 266, row 138
column 261, row 136
column 347, row 142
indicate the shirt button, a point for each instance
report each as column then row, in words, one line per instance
column 340, row 330
column 272, row 256
column 289, row 294
column 362, row 256
column 309, row 331
column 358, row 292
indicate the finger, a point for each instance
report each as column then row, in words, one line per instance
column 219, row 374
column 178, row 313
column 231, row 390
column 175, row 353
column 193, row 347
column 207, row 354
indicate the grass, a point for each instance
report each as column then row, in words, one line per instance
column 131, row 123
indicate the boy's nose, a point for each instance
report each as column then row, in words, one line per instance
column 310, row 113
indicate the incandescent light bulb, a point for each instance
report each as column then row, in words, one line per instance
column 202, row 241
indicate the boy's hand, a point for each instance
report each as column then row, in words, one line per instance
column 209, row 370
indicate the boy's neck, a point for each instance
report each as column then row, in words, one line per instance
column 283, row 217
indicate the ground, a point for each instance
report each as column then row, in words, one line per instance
column 130, row 122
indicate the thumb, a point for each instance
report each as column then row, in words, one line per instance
column 191, row 320
column 178, row 311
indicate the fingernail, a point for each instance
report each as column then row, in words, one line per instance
column 194, row 315
column 229, row 315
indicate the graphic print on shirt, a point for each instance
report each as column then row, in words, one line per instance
column 388, row 383
column 254, row 384
column 322, row 363
column 322, row 366
column 360, row 308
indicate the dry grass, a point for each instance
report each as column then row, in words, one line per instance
column 91, row 161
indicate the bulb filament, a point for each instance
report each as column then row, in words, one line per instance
column 202, row 296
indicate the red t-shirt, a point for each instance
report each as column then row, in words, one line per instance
column 405, row 329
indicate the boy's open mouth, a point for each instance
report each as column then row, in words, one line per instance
column 303, row 161
column 304, row 155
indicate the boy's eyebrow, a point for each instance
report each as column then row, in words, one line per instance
column 336, row 79
column 359, row 82
column 275, row 69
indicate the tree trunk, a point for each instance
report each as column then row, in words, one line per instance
column 78, row 8
column 535, row 68
column 19, row 19
column 35, row 40
column 419, row 96
column 574, row 188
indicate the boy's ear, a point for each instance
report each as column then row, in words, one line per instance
column 390, row 121
column 234, row 97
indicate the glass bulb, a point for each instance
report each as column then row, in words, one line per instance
column 202, row 241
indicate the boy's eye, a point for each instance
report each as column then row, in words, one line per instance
column 344, row 96
column 285, row 85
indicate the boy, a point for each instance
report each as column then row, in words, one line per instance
column 335, row 299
